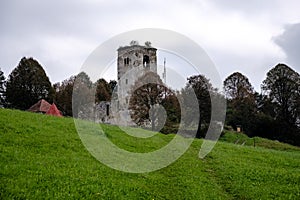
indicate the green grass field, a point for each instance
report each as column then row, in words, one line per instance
column 42, row 157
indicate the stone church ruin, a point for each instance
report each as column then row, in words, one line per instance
column 133, row 61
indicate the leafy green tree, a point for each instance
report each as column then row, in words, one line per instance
column 103, row 90
column 263, row 123
column 282, row 86
column 63, row 95
column 241, row 102
column 2, row 88
column 242, row 112
column 172, row 107
column 237, row 86
column 265, row 105
column 27, row 84
column 202, row 87
column 148, row 94
column 83, row 97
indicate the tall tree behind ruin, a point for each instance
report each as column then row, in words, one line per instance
column 27, row 84
column 241, row 101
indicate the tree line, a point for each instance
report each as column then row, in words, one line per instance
column 28, row 83
column 274, row 113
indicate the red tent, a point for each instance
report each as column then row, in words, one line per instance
column 41, row 106
column 53, row 111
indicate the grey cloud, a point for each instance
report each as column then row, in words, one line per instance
column 250, row 7
column 64, row 15
column 26, row 26
column 44, row 17
column 61, row 34
column 289, row 41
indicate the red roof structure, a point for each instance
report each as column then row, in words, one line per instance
column 41, row 106
column 54, row 111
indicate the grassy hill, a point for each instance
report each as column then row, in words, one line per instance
column 242, row 139
column 42, row 157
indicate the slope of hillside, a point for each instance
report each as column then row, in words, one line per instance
column 42, row 157
column 242, row 139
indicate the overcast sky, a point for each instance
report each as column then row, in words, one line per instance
column 246, row 36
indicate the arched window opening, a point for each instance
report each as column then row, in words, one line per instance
column 146, row 61
column 126, row 61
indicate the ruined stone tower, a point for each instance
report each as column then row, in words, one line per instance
column 133, row 62
column 136, row 55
